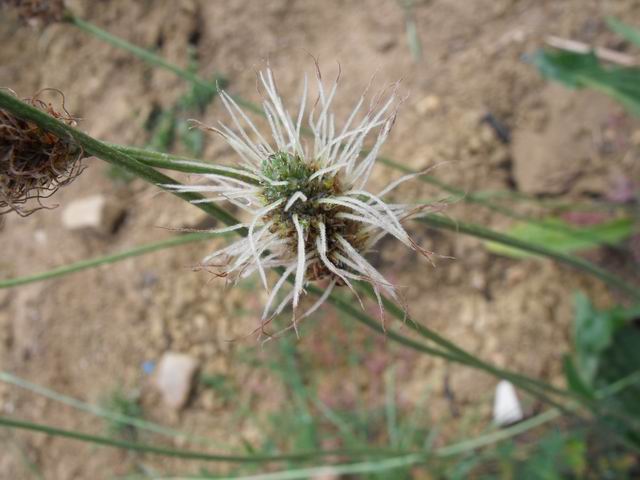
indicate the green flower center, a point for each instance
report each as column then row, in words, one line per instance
column 285, row 167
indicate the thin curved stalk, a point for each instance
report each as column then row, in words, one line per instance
column 465, row 446
column 99, row 149
column 394, row 463
column 101, row 412
column 460, row 353
column 534, row 387
column 167, row 161
column 479, row 198
column 143, row 53
column 116, row 257
column 151, row 58
column 444, row 223
column 188, row 454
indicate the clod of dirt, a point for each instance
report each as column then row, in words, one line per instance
column 550, row 158
column 174, row 378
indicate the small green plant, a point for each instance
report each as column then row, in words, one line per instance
column 124, row 405
column 586, row 70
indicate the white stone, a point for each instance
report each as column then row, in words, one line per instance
column 506, row 406
column 88, row 212
column 40, row 236
column 174, row 377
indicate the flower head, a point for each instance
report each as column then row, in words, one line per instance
column 34, row 162
column 310, row 213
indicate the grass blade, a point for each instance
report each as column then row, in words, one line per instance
column 186, row 454
column 100, row 412
column 624, row 30
column 444, row 223
column 107, row 259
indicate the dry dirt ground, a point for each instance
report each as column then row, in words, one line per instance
column 89, row 333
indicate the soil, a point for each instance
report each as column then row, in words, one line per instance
column 89, row 333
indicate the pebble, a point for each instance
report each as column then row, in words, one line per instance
column 174, row 378
column 428, row 105
column 86, row 212
column 506, row 406
column 94, row 212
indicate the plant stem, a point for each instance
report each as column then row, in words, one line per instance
column 449, row 346
column 443, row 223
column 100, row 412
column 179, row 164
column 480, row 199
column 184, row 164
column 116, row 257
column 457, row 355
column 187, row 454
column 394, row 463
column 99, row 149
column 151, row 58
column 143, row 53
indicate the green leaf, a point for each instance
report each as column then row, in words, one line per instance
column 593, row 331
column 622, row 360
column 579, row 70
column 607, row 347
column 624, row 30
column 574, row 381
column 560, row 237
column 566, row 67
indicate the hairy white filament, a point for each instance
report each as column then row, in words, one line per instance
column 342, row 220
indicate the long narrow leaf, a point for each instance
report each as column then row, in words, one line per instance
column 107, row 259
column 626, row 31
column 187, row 454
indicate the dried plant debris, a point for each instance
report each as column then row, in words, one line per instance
column 37, row 13
column 34, row 163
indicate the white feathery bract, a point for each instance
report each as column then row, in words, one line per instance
column 311, row 216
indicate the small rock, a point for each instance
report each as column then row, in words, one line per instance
column 506, row 406
column 93, row 212
column 84, row 213
column 428, row 105
column 326, row 474
column 552, row 159
column 174, row 377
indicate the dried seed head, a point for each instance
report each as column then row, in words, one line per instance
column 37, row 12
column 310, row 214
column 34, row 163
